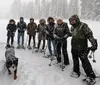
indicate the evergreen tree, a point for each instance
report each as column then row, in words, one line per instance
column 73, row 7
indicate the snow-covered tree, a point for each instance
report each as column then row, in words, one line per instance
column 96, row 10
column 87, row 9
column 73, row 7
column 16, row 8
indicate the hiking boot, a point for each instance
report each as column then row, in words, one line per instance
column 42, row 50
column 23, row 47
column 29, row 47
column 7, row 46
column 75, row 75
column 12, row 46
column 37, row 50
column 18, row 47
column 90, row 81
column 48, row 56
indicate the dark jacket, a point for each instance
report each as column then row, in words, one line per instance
column 21, row 26
column 11, row 29
column 42, row 31
column 50, row 30
column 31, row 29
column 80, row 36
column 81, row 33
column 62, row 30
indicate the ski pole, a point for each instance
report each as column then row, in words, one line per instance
column 90, row 56
column 94, row 60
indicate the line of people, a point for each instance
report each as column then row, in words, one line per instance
column 57, row 34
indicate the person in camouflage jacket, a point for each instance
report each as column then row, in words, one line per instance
column 81, row 33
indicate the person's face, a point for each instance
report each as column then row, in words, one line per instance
column 21, row 20
column 51, row 20
column 59, row 22
column 12, row 22
column 31, row 20
column 73, row 22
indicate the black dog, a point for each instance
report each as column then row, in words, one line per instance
column 11, row 61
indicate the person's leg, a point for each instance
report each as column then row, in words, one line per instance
column 22, row 38
column 87, row 66
column 43, row 44
column 65, row 54
column 39, row 42
column 8, row 39
column 12, row 40
column 34, row 41
column 49, row 46
column 18, row 41
column 59, row 52
column 75, row 57
column 54, row 47
column 29, row 40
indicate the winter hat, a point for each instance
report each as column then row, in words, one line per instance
column 49, row 18
column 12, row 20
column 74, row 17
column 31, row 19
column 42, row 21
column 21, row 18
column 59, row 19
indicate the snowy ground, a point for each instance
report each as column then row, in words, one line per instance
column 33, row 68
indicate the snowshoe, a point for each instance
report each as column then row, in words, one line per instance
column 7, row 46
column 74, row 75
column 18, row 47
column 12, row 46
column 29, row 47
column 22, row 47
column 53, row 58
column 37, row 50
column 63, row 67
column 42, row 50
column 89, row 81
column 48, row 56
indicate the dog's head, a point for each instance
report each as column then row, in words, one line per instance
column 12, row 64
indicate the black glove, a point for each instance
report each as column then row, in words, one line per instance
column 28, row 33
column 94, row 44
column 92, row 48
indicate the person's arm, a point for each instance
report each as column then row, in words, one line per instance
column 46, row 30
column 28, row 29
column 15, row 28
column 67, row 31
column 25, row 27
column 7, row 28
column 55, row 34
column 89, row 34
column 36, row 27
column 18, row 26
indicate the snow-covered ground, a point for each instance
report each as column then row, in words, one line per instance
column 33, row 68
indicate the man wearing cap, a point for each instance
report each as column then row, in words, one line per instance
column 81, row 33
column 31, row 31
column 21, row 26
column 61, row 33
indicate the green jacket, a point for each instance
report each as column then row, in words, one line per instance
column 80, row 36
